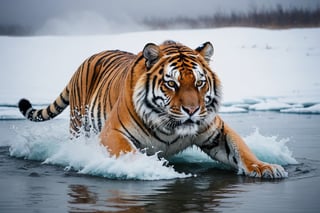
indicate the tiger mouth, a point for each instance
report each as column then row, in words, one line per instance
column 188, row 122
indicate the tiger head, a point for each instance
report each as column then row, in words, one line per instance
column 178, row 94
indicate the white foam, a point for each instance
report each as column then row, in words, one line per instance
column 50, row 144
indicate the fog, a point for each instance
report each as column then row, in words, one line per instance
column 42, row 17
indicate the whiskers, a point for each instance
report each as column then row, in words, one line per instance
column 170, row 123
column 175, row 124
column 164, row 121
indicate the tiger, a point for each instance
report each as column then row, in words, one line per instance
column 159, row 101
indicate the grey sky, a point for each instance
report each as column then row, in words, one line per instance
column 102, row 16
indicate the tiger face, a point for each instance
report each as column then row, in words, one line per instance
column 179, row 93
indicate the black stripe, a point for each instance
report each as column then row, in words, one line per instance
column 235, row 160
column 173, row 64
column 57, row 107
column 214, row 104
column 99, row 117
column 143, row 128
column 64, row 101
column 92, row 68
column 93, row 105
column 111, row 78
column 154, row 85
column 146, row 101
column 109, row 58
column 110, row 75
column 51, row 114
column 39, row 116
column 76, row 90
column 215, row 85
column 149, row 105
column 174, row 141
column 134, row 140
column 92, row 121
column 74, row 127
column 153, row 105
column 30, row 114
column 166, row 142
column 105, row 114
column 147, row 83
column 194, row 64
column 161, row 71
column 138, row 60
column 174, row 58
column 211, row 142
column 227, row 148
column 211, row 84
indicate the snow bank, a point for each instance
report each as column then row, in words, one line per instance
column 280, row 67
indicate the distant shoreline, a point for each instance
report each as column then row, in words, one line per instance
column 273, row 18
column 276, row 18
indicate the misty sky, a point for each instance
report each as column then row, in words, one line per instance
column 105, row 16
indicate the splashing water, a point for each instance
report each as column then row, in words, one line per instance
column 51, row 145
column 270, row 149
column 87, row 156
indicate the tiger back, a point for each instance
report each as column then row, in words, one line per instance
column 96, row 87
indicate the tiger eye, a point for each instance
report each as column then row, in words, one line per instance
column 199, row 83
column 171, row 83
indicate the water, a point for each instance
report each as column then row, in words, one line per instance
column 61, row 176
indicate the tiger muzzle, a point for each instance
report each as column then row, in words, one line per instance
column 190, row 109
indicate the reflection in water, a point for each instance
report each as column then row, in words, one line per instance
column 203, row 193
column 80, row 194
column 91, row 199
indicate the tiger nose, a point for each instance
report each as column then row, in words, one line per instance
column 190, row 109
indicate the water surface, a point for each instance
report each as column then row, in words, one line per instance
column 31, row 186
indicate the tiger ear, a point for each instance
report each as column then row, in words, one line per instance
column 206, row 51
column 151, row 53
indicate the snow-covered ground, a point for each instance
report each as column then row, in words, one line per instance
column 260, row 69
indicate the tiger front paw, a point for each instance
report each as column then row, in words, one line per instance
column 266, row 170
